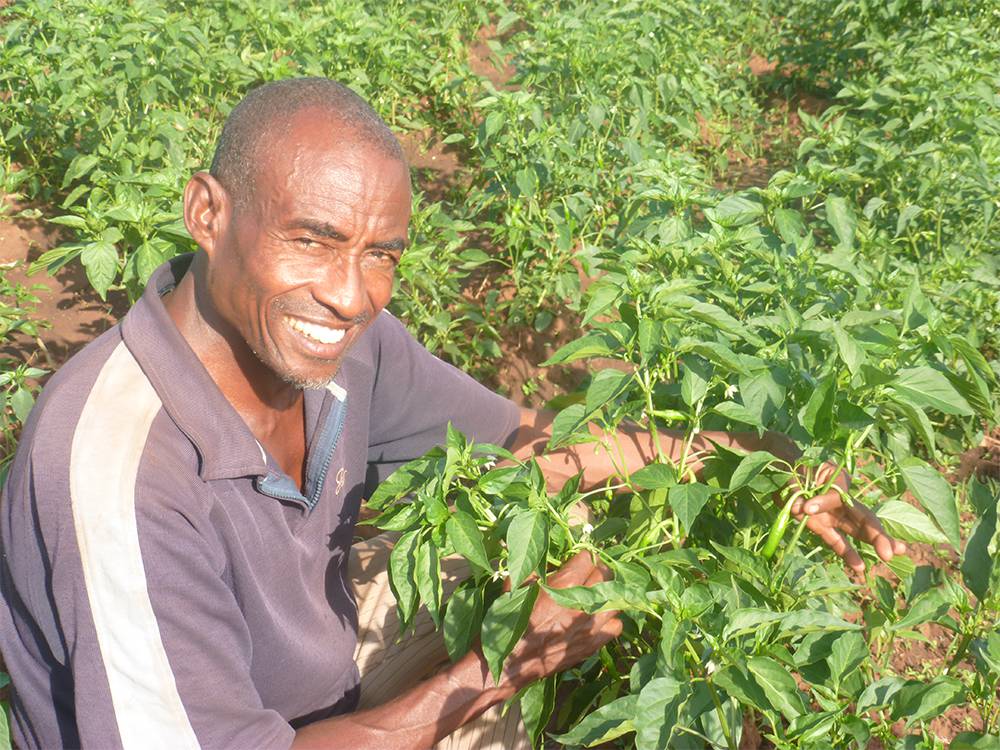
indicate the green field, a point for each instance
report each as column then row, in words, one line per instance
column 686, row 214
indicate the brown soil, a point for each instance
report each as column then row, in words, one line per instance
column 779, row 132
column 74, row 312
column 486, row 63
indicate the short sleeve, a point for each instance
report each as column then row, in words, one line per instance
column 416, row 395
column 147, row 640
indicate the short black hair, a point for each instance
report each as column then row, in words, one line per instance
column 264, row 114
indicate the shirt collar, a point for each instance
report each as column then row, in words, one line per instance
column 226, row 446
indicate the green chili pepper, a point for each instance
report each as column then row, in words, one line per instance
column 778, row 528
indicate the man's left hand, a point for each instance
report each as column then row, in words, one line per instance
column 833, row 520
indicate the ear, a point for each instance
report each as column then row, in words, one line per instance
column 207, row 210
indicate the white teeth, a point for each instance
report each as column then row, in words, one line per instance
column 318, row 333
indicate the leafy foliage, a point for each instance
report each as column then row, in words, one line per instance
column 849, row 299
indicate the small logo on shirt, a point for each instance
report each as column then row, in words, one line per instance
column 341, row 478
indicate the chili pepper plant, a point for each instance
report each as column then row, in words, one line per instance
column 730, row 610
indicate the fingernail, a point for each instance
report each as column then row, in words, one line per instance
column 812, row 508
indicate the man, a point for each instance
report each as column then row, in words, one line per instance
column 177, row 525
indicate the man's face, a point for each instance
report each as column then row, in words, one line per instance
column 308, row 262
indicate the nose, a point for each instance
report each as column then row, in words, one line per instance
column 343, row 289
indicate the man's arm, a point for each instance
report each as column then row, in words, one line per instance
column 829, row 517
column 555, row 639
column 630, row 449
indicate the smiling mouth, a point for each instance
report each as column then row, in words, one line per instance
column 316, row 332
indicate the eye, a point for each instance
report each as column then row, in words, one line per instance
column 304, row 242
column 382, row 258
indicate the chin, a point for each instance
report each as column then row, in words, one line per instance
column 304, row 382
column 303, row 377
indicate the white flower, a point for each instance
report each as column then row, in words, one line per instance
column 588, row 529
column 731, row 390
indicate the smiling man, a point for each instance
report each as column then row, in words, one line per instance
column 177, row 525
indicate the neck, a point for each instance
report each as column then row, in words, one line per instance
column 249, row 385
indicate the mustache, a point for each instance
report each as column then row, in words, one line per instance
column 317, row 313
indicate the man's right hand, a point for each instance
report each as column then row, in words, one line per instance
column 558, row 638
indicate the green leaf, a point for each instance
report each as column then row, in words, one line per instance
column 527, row 543
column 567, row 422
column 527, row 181
column 402, row 481
column 934, row 494
column 5, row 740
column 879, row 694
column 763, row 393
column 721, row 355
column 602, row 296
column 650, row 333
column 79, row 167
column 778, row 685
column 687, row 501
column 101, row 261
column 920, row 423
column 75, row 222
column 918, row 701
column 978, row 562
column 601, row 597
column 718, row 318
column 741, row 687
column 848, row 652
column 504, row 625
column 849, row 349
column 842, row 220
column 402, row 575
column 975, row 741
column 748, row 620
column 655, row 476
column 591, row 345
column 608, row 722
column 656, row 712
column 790, row 225
column 694, row 383
column 604, row 387
column 596, row 115
column 734, row 211
column 537, row 702
column 463, row 618
column 817, row 415
column 495, row 481
column 927, row 607
column 925, row 387
column 21, row 402
column 400, row 517
column 467, row 539
column 737, row 413
column 803, row 621
column 908, row 523
column 428, row 579
column 751, row 465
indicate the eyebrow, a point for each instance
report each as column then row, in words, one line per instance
column 323, row 229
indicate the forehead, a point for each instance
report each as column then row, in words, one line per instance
column 327, row 171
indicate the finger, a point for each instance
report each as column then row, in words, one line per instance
column 825, row 503
column 573, row 572
column 612, row 628
column 838, row 543
column 867, row 527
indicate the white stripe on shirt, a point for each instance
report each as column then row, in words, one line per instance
column 107, row 447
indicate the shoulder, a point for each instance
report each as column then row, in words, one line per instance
column 98, row 428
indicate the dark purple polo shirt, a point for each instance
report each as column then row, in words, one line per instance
column 166, row 585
